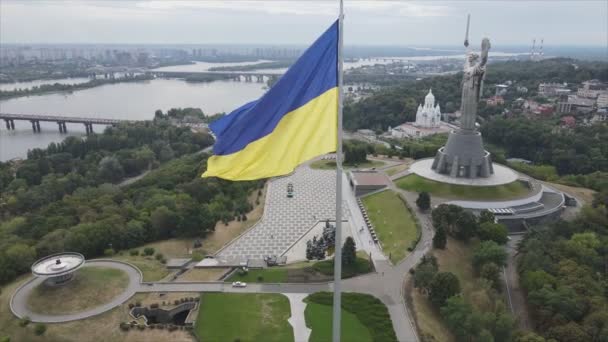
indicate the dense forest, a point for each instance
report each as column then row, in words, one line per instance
column 70, row 196
column 564, row 271
column 393, row 106
column 582, row 150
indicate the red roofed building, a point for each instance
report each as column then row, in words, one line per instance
column 569, row 121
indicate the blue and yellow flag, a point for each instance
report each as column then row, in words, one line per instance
column 295, row 121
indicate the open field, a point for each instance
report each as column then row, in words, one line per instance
column 319, row 317
column 584, row 194
column 331, row 165
column 152, row 269
column 397, row 168
column 368, row 310
column 247, row 317
column 303, row 272
column 451, row 191
column 90, row 287
column 393, row 222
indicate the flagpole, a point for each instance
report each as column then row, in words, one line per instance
column 338, row 239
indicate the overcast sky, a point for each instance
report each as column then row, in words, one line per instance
column 299, row 22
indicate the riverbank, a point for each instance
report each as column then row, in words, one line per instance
column 57, row 87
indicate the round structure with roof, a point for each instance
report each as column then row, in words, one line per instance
column 58, row 268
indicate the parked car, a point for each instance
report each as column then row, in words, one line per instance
column 239, row 284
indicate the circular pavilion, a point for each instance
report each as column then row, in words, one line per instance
column 58, row 268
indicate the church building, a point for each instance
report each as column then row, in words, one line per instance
column 428, row 121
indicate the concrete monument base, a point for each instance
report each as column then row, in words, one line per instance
column 502, row 175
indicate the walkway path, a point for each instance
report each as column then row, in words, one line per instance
column 301, row 332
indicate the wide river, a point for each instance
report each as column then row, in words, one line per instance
column 135, row 101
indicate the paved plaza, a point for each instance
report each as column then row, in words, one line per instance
column 285, row 219
column 502, row 175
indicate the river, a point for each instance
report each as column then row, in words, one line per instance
column 134, row 100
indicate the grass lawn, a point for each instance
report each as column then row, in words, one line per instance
column 331, row 165
column 152, row 269
column 203, row 274
column 393, row 222
column 451, row 191
column 303, row 272
column 368, row 313
column 247, row 317
column 90, row 287
column 396, row 169
column 319, row 317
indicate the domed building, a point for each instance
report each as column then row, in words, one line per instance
column 429, row 115
column 428, row 121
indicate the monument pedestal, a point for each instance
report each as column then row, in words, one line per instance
column 463, row 156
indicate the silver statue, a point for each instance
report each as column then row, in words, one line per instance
column 472, row 83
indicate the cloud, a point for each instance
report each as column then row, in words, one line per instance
column 317, row 8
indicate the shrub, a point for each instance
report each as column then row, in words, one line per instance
column 5, row 339
column 196, row 256
column 131, row 305
column 149, row 251
column 159, row 256
column 154, row 306
column 176, row 302
column 125, row 326
column 141, row 327
column 108, row 252
column 152, row 326
column 24, row 321
column 260, row 278
column 163, row 261
column 39, row 329
column 134, row 252
column 138, row 304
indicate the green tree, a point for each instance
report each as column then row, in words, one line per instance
column 489, row 252
column 424, row 201
column 491, row 272
column 460, row 317
column 39, row 329
column 443, row 286
column 440, row 238
column 425, row 272
column 465, row 226
column 110, row 170
column 349, row 252
column 493, row 232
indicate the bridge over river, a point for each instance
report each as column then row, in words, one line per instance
column 234, row 75
column 35, row 119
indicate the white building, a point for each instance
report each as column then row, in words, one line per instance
column 428, row 121
column 602, row 100
column 429, row 115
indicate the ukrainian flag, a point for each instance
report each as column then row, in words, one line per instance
column 295, row 121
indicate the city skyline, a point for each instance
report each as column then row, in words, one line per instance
column 581, row 23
